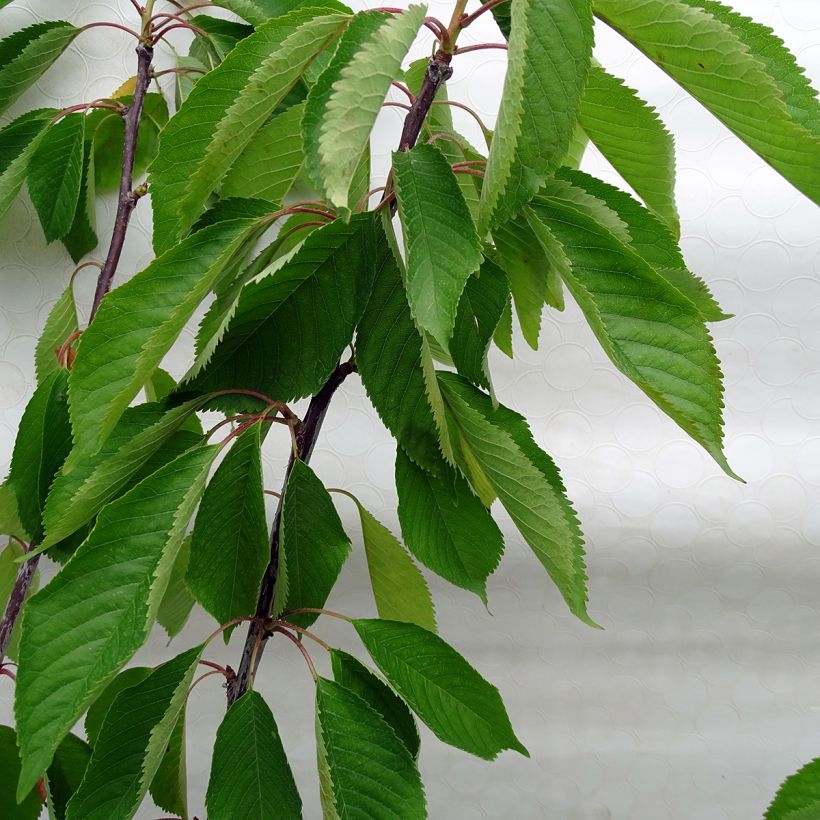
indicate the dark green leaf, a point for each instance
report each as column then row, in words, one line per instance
column 222, row 38
column 132, row 741
column 258, row 12
column 371, row 772
column 443, row 249
column 26, row 54
column 389, row 360
column 99, row 709
column 250, row 769
column 460, row 707
column 169, row 788
column 496, row 451
column 99, row 609
column 229, row 546
column 61, row 323
column 224, row 111
column 355, row 676
column 9, row 517
column 267, row 345
column 82, row 235
column 55, row 175
column 447, row 527
column 30, row 807
column 18, row 140
column 43, row 442
column 313, row 545
column 66, row 773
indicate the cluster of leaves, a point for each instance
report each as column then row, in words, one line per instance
column 260, row 189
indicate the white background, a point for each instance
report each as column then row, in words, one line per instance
column 703, row 691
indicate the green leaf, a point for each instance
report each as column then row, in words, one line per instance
column 86, row 483
column 9, row 568
column 66, row 773
column 229, row 546
column 221, row 38
column 504, row 332
column 371, row 772
column 55, row 175
column 443, row 249
column 9, row 517
column 356, row 677
column 714, row 64
column 479, row 313
column 268, row 167
column 653, row 241
column 357, row 98
column 798, row 95
column 495, row 444
column 267, row 345
column 399, row 588
column 18, row 140
column 550, row 47
column 99, row 609
column 43, row 442
column 652, row 333
column 129, row 749
column 389, row 361
column 138, row 322
column 82, row 235
column 177, row 603
column 459, row 706
column 258, row 12
column 447, row 527
column 107, row 131
column 313, row 545
column 224, row 111
column 629, row 133
column 26, row 54
column 99, row 709
column 361, row 29
column 809, row 812
column 800, row 791
column 60, row 324
column 30, row 807
column 250, row 768
column 169, row 788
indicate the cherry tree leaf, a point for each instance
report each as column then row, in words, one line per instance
column 799, row 792
column 18, row 140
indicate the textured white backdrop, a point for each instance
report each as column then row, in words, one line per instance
column 704, row 689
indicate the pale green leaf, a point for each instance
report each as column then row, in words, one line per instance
column 65, row 774
column 26, row 54
column 504, row 332
column 132, row 742
column 550, row 48
column 399, row 588
column 55, row 175
column 43, row 442
column 258, row 12
column 86, row 483
column 268, row 167
column 552, row 255
column 389, row 361
column 313, row 545
column 98, row 610
column 361, row 28
column 30, row 807
column 371, row 772
column 629, row 133
column 798, row 792
column 229, row 546
column 357, row 98
column 653, row 241
column 138, row 322
column 355, row 676
column 169, row 788
column 177, row 603
column 268, row 345
column 496, row 446
column 479, row 313
column 652, row 332
column 715, row 65
column 224, row 111
column 459, row 706
column 443, row 249
column 250, row 769
column 18, row 140
column 9, row 517
column 447, row 527
column 60, row 324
